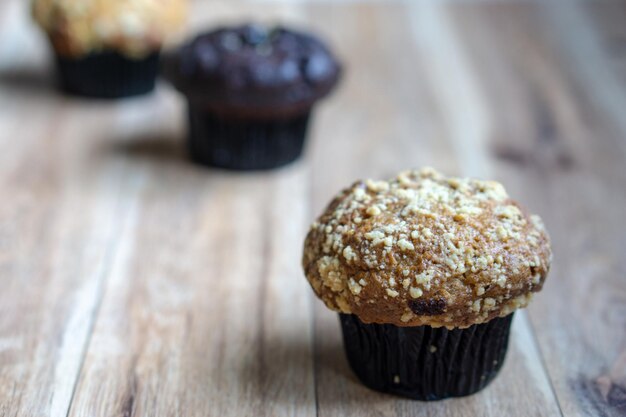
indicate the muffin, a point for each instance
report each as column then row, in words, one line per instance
column 108, row 48
column 426, row 272
column 250, row 92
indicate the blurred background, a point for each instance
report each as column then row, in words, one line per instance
column 134, row 282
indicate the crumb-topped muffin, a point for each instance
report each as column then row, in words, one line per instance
column 250, row 90
column 104, row 45
column 426, row 251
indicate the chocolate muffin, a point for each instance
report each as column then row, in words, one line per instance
column 108, row 48
column 250, row 92
column 426, row 272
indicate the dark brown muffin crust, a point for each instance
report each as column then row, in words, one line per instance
column 252, row 70
column 424, row 249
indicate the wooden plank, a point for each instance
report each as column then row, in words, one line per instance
column 608, row 18
column 51, row 292
column 58, row 227
column 423, row 109
column 52, row 194
column 561, row 146
column 208, row 320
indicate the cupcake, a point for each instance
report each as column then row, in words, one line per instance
column 250, row 93
column 426, row 272
column 108, row 48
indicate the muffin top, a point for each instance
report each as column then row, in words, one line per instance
column 252, row 70
column 132, row 27
column 425, row 249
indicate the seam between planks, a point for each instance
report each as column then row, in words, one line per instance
column 308, row 215
column 263, row 292
column 314, row 353
column 535, row 341
column 110, row 254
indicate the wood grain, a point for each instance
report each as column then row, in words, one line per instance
column 135, row 283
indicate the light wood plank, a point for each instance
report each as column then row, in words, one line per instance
column 215, row 323
column 58, row 226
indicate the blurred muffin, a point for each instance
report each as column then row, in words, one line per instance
column 426, row 272
column 250, row 91
column 108, row 48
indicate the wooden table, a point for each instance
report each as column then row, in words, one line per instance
column 134, row 283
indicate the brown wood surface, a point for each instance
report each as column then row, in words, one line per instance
column 136, row 284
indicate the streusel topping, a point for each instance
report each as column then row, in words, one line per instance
column 425, row 249
column 132, row 27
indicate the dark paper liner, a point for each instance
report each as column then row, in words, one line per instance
column 107, row 75
column 241, row 144
column 425, row 363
